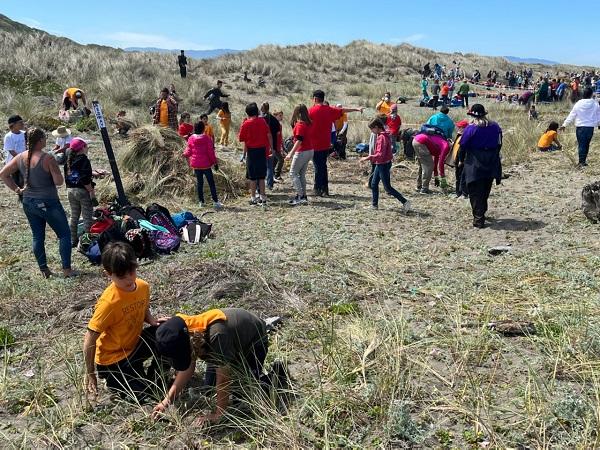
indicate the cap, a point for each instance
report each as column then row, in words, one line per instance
column 173, row 342
column 462, row 124
column 14, row 119
column 77, row 144
column 394, row 107
column 477, row 110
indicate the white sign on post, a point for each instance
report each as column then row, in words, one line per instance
column 98, row 114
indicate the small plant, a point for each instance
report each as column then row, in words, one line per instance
column 6, row 337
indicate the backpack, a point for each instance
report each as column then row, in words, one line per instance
column 362, row 148
column 93, row 253
column 432, row 130
column 86, row 241
column 140, row 241
column 407, row 138
column 195, row 232
column 165, row 243
column 111, row 234
column 180, row 219
column 102, row 221
column 159, row 215
column 135, row 212
column 73, row 177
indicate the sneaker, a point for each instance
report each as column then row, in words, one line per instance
column 425, row 191
column 303, row 200
column 406, row 206
column 372, row 207
column 201, row 204
column 254, row 201
column 278, row 179
column 418, row 189
column 218, row 206
column 294, row 201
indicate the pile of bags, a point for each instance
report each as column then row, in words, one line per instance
column 151, row 232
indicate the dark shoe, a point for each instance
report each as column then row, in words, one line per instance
column 425, row 191
column 318, row 192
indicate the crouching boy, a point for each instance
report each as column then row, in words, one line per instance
column 116, row 344
column 232, row 341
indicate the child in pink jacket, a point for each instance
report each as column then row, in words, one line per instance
column 200, row 153
column 382, row 158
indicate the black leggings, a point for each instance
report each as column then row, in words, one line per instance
column 128, row 377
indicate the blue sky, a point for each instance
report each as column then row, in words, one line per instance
column 504, row 28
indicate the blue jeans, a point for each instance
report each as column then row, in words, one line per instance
column 584, row 137
column 320, row 165
column 42, row 212
column 382, row 173
column 270, row 173
column 200, row 174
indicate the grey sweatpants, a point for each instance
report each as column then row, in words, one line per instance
column 298, row 169
column 81, row 205
column 425, row 165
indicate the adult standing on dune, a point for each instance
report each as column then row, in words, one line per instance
column 322, row 117
column 165, row 110
column 41, row 203
column 481, row 143
column 182, row 62
column 586, row 116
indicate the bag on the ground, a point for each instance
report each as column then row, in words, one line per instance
column 165, row 243
column 102, row 221
column 159, row 215
column 181, row 218
column 86, row 240
column 195, row 232
column 361, row 148
column 140, row 241
column 135, row 212
column 111, row 234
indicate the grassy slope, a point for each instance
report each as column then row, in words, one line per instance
column 386, row 313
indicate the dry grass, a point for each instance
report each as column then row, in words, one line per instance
column 153, row 166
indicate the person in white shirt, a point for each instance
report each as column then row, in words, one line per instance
column 14, row 143
column 586, row 116
column 63, row 140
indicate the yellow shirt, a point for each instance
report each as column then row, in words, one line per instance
column 72, row 91
column 339, row 124
column 224, row 118
column 384, row 107
column 199, row 323
column 208, row 130
column 119, row 318
column 547, row 139
column 163, row 118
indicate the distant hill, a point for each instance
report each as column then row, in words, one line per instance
column 196, row 54
column 544, row 62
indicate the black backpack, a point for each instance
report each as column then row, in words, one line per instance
column 407, row 138
column 112, row 234
column 156, row 209
column 135, row 212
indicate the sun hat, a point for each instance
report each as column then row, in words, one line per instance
column 477, row 110
column 173, row 342
column 77, row 144
column 462, row 124
column 61, row 131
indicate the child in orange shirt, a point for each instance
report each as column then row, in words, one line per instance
column 208, row 129
column 116, row 344
column 549, row 140
column 224, row 116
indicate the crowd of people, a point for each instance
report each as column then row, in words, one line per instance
column 134, row 359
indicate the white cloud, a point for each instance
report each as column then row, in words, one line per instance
column 127, row 39
column 30, row 22
column 409, row 39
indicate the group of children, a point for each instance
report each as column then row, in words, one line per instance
column 135, row 361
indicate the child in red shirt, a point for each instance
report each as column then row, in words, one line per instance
column 256, row 136
column 185, row 127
